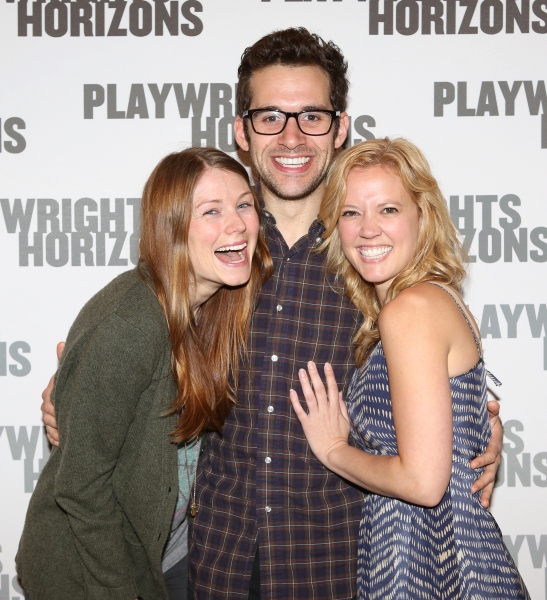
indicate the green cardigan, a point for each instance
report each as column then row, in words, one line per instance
column 101, row 513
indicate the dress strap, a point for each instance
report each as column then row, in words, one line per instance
column 465, row 312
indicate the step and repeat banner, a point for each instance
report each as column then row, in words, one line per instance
column 94, row 92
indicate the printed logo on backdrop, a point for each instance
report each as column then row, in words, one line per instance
column 461, row 17
column 13, row 363
column 11, row 139
column 9, row 584
column 494, row 316
column 497, row 235
column 519, row 468
column 110, row 18
column 189, row 101
column 26, row 444
column 523, row 469
column 501, row 320
column 491, row 100
column 535, row 546
column 85, row 232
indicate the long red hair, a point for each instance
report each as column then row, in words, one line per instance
column 207, row 348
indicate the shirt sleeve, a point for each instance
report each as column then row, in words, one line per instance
column 100, row 383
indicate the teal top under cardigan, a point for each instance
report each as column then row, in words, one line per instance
column 101, row 513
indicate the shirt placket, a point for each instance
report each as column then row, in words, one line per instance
column 271, row 460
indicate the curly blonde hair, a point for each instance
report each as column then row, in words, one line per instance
column 439, row 252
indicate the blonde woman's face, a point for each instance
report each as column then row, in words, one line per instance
column 378, row 225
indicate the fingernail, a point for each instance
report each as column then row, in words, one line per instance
column 311, row 365
column 302, row 373
column 328, row 367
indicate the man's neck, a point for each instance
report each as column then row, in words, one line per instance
column 293, row 217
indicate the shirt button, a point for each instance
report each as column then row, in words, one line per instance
column 318, row 239
column 268, row 509
column 267, row 460
column 275, row 358
column 279, row 307
column 270, row 408
column 266, row 214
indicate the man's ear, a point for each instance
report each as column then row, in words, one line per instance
column 239, row 134
column 342, row 133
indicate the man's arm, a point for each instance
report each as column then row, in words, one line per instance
column 491, row 458
column 48, row 410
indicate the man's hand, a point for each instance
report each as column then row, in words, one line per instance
column 491, row 458
column 48, row 410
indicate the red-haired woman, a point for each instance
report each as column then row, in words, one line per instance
column 150, row 363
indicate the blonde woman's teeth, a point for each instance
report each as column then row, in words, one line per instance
column 375, row 252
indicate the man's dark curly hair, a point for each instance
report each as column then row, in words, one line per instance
column 294, row 47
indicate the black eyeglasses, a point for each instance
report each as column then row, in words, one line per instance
column 310, row 122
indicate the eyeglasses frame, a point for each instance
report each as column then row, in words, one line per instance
column 335, row 114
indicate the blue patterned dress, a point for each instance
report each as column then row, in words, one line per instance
column 452, row 551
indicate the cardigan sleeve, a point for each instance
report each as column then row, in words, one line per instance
column 100, row 383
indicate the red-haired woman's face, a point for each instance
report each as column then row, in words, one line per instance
column 223, row 233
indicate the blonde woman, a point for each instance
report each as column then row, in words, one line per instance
column 416, row 407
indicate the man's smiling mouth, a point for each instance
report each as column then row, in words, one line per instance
column 292, row 162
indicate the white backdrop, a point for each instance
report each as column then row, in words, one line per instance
column 93, row 94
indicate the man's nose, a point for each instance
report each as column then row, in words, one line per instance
column 291, row 136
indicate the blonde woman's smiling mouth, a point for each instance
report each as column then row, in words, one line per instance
column 374, row 252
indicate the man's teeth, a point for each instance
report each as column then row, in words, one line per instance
column 232, row 248
column 375, row 252
column 296, row 161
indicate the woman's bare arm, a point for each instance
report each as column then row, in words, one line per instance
column 417, row 333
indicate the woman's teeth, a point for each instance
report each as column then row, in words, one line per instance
column 229, row 252
column 232, row 248
column 375, row 252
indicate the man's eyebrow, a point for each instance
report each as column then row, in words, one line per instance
column 306, row 108
column 316, row 107
column 268, row 107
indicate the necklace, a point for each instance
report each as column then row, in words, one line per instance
column 192, row 487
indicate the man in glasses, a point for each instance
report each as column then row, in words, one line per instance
column 272, row 522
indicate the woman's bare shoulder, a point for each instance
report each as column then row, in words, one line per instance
column 421, row 297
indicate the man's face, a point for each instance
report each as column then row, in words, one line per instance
column 291, row 165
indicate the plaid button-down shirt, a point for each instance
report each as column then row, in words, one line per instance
column 259, row 484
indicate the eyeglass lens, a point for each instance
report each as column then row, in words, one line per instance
column 272, row 122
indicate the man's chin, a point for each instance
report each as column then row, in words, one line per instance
column 294, row 193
